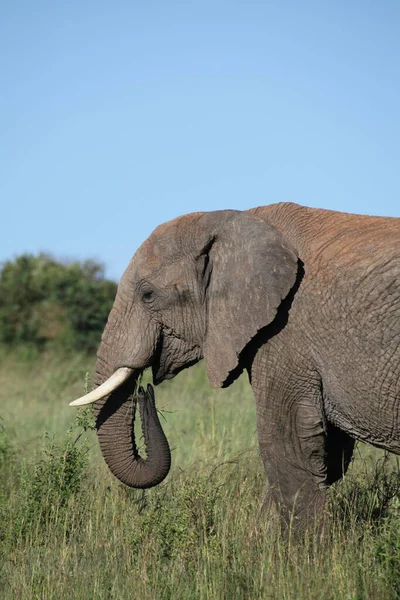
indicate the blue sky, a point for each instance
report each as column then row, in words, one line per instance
column 117, row 116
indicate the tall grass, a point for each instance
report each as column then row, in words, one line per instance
column 68, row 529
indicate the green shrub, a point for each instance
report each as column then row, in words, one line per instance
column 48, row 485
column 43, row 301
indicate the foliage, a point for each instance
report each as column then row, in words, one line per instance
column 44, row 301
column 48, row 485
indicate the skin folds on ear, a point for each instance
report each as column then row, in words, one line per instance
column 246, row 269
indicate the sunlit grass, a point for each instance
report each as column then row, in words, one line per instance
column 70, row 530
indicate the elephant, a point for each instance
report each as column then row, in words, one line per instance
column 305, row 300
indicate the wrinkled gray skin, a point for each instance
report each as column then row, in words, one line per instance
column 306, row 300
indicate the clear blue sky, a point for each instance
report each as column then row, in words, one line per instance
column 117, row 116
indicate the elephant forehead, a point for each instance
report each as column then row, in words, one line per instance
column 165, row 245
column 153, row 256
column 177, row 227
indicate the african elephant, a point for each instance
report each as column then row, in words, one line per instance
column 307, row 301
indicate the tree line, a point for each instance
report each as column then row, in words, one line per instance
column 45, row 302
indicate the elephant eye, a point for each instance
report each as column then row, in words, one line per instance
column 147, row 296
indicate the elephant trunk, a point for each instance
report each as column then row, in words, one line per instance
column 115, row 420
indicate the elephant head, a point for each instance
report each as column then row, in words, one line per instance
column 201, row 286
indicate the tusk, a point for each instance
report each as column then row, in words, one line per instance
column 110, row 385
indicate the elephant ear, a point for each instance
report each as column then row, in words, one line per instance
column 248, row 268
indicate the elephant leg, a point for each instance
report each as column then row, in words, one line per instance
column 293, row 449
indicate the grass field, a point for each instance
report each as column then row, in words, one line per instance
column 68, row 529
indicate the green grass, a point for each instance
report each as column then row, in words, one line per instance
column 68, row 529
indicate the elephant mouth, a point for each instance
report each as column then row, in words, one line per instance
column 160, row 374
column 173, row 355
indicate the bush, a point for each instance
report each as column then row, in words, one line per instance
column 49, row 484
column 43, row 301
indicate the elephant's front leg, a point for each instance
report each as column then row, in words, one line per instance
column 293, row 449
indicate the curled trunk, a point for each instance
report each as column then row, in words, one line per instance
column 115, row 419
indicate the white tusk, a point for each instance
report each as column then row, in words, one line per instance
column 111, row 384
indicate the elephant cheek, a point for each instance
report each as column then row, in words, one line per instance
column 174, row 355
